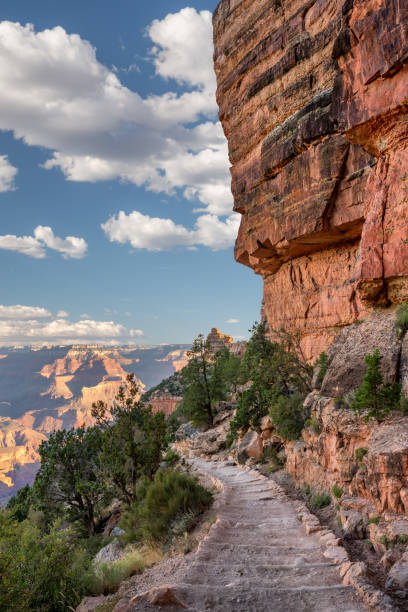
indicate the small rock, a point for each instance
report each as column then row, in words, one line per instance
column 337, row 554
column 117, row 531
column 160, row 596
column 90, row 603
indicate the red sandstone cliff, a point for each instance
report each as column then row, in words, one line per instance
column 313, row 98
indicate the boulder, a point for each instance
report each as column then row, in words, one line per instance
column 347, row 367
column 110, row 553
column 250, row 447
column 398, row 575
column 186, row 431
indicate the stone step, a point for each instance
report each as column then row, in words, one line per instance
column 289, row 537
column 235, row 599
column 228, row 553
column 265, row 576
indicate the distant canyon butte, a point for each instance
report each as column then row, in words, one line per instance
column 46, row 389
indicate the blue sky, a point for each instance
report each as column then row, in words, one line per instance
column 107, row 107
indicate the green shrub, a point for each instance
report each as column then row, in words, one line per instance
column 374, row 520
column 44, row 572
column 360, row 453
column 106, row 577
column 171, row 497
column 20, row 504
column 270, row 455
column 320, row 500
column 288, row 416
column 306, row 489
column 402, row 538
column 280, row 379
column 337, row 491
column 373, row 396
column 171, row 457
column 385, row 541
column 322, row 363
column 402, row 319
column 314, row 424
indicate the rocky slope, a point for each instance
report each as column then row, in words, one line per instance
column 313, row 98
column 53, row 388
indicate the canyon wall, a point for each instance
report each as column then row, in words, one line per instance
column 313, row 98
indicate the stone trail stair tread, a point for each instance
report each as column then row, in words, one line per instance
column 257, row 557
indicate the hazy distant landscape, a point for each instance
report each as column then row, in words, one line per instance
column 51, row 388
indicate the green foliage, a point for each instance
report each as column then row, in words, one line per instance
column 280, row 378
column 288, row 416
column 132, row 444
column 339, row 521
column 374, row 397
column 171, row 497
column 402, row 319
column 374, row 520
column 337, row 491
column 314, row 424
column 107, row 577
column 168, row 386
column 20, row 504
column 360, row 453
column 70, row 480
column 206, row 380
column 322, row 363
column 385, row 541
column 402, row 538
column 320, row 500
column 171, row 457
column 42, row 572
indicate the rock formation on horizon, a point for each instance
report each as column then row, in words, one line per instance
column 313, row 98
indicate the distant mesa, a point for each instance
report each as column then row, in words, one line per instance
column 217, row 340
column 43, row 389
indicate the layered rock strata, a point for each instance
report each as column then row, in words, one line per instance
column 313, row 98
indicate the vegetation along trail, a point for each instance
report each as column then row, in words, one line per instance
column 257, row 556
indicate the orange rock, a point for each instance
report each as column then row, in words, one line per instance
column 160, row 596
column 313, row 101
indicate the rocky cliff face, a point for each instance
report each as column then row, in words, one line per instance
column 313, row 98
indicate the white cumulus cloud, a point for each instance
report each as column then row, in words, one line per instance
column 18, row 312
column 44, row 238
column 160, row 234
column 7, row 174
column 36, row 325
column 54, row 93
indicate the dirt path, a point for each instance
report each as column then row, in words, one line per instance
column 257, row 557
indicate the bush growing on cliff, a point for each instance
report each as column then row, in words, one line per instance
column 206, row 380
column 374, row 397
column 131, row 445
column 322, row 363
column 161, row 504
column 19, row 505
column 280, row 378
column 288, row 416
column 70, row 481
column 40, row 571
